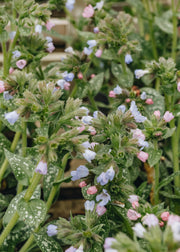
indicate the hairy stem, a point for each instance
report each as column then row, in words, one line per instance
column 156, row 179
column 5, row 60
column 174, row 42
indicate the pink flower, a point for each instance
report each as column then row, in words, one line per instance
column 82, row 184
column 149, row 101
column 92, row 130
column 67, row 85
column 137, row 133
column 178, row 250
column 150, row 220
column 92, row 190
column 2, row 87
column 161, row 224
column 135, row 204
column 108, row 242
column 127, row 100
column 165, row 216
column 21, row 63
column 80, row 76
column 157, row 114
column 168, row 116
column 100, row 210
column 92, row 76
column 173, row 219
column 11, row 70
column 133, row 198
column 49, row 25
column 143, row 156
column 133, row 215
column 81, row 129
column 112, row 94
column 98, row 53
column 178, row 86
column 88, row 11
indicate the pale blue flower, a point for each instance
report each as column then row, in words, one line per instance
column 122, row 108
column 86, row 145
column 16, row 54
column 12, row 35
column 110, row 173
column 41, row 168
column 96, row 29
column 38, row 28
column 89, row 155
column 7, row 96
column 69, row 50
column 117, row 90
column 87, row 119
column 143, row 96
column 87, row 51
column 49, row 39
column 104, row 197
column 81, row 172
column 102, row 179
column 140, row 73
column 89, row 205
column 70, row 4
column 52, row 230
column 11, row 117
column 91, row 43
column 68, row 76
column 99, row 5
column 95, row 114
column 61, row 83
column 86, row 109
column 136, row 114
column 143, row 143
column 128, row 59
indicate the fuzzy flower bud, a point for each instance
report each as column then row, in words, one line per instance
column 165, row 216
column 149, row 101
column 92, row 190
column 100, row 210
column 157, row 114
column 112, row 94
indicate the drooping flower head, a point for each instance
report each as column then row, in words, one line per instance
column 128, row 58
column 41, row 168
column 11, row 117
column 104, row 198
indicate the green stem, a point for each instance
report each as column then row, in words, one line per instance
column 123, row 63
column 12, row 149
column 52, row 194
column 92, row 101
column 157, row 85
column 141, row 26
column 5, row 60
column 174, row 42
column 156, row 179
column 73, row 92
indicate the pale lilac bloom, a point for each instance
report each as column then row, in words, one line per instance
column 133, row 215
column 168, row 116
column 150, row 220
column 104, row 197
column 143, row 96
column 157, row 114
column 68, row 76
column 122, row 108
column 140, row 73
column 133, row 198
column 89, row 155
column 99, row 5
column 52, row 230
column 11, row 117
column 108, row 243
column 139, row 230
column 110, row 173
column 87, row 119
column 81, row 172
column 2, row 87
column 138, row 134
column 41, row 168
column 91, row 43
column 49, row 39
column 69, row 50
column 117, row 90
column 7, row 96
column 143, row 156
column 49, row 25
column 100, row 210
column 16, row 54
column 128, row 58
column 176, row 231
column 70, row 4
column 88, row 11
column 50, row 47
column 87, row 51
column 71, row 249
column 95, row 114
column 38, row 28
column 173, row 219
column 86, row 145
column 96, row 30
column 102, row 179
column 98, row 53
column 143, row 144
column 89, row 205
column 12, row 35
column 136, row 114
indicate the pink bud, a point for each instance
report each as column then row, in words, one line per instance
column 2, row 87
column 161, row 224
column 49, row 25
column 88, row 11
column 21, row 63
column 127, row 100
column 165, row 216
column 100, row 210
column 80, row 76
column 135, row 204
column 82, row 184
column 143, row 156
column 92, row 76
column 149, row 101
column 157, row 114
column 178, row 86
column 67, row 85
column 92, row 190
column 92, row 130
column 133, row 215
column 98, row 53
column 168, row 116
column 11, row 70
column 81, row 129
column 112, row 94
column 159, row 133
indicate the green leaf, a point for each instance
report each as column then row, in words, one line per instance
column 4, row 36
column 169, row 132
column 158, row 100
column 167, row 180
column 12, row 208
column 86, row 35
column 164, row 25
column 168, row 195
column 108, row 55
column 32, row 212
column 22, row 167
column 65, row 180
column 96, row 83
column 125, row 80
column 4, row 202
column 46, row 243
column 154, row 156
column 4, row 143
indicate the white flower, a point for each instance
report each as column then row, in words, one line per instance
column 80, row 249
column 61, row 83
column 89, row 205
column 49, row 39
column 87, row 119
column 86, row 109
column 16, row 54
column 86, row 145
column 69, row 50
column 11, row 117
column 38, row 28
column 89, row 155
column 140, row 73
column 139, row 230
column 99, row 5
column 117, row 90
column 143, row 96
column 137, row 115
column 150, row 220
column 176, row 231
column 122, row 108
